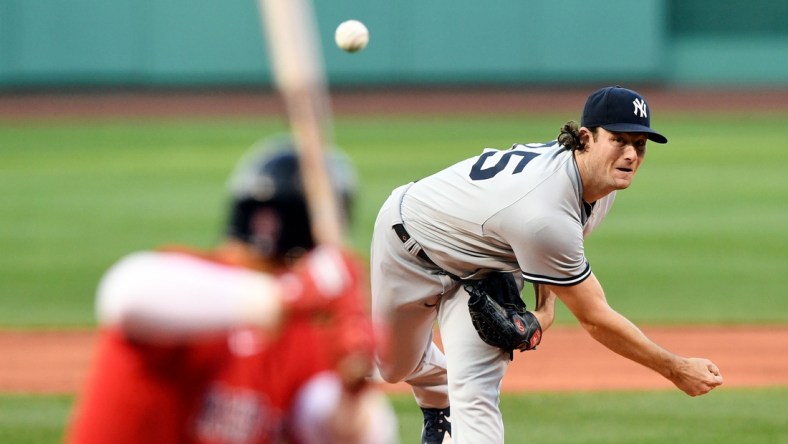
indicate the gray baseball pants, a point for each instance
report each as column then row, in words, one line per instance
column 408, row 296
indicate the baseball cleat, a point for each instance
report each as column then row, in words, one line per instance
column 437, row 426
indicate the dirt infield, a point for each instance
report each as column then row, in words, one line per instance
column 568, row 359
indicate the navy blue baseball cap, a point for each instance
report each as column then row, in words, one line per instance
column 620, row 110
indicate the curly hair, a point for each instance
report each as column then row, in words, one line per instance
column 569, row 136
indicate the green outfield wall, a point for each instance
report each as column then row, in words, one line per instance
column 161, row 43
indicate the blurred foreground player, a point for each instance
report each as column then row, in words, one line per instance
column 265, row 339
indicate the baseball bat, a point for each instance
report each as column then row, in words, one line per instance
column 297, row 65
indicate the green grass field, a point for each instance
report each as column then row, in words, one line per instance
column 723, row 417
column 700, row 238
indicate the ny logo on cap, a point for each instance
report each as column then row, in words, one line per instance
column 640, row 105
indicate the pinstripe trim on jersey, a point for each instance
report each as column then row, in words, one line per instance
column 563, row 282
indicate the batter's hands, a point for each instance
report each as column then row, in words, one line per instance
column 696, row 376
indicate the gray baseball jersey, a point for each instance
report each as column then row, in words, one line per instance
column 516, row 209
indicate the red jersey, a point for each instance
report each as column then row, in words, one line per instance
column 233, row 389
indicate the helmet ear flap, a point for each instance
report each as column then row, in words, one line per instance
column 295, row 232
column 265, row 229
column 275, row 229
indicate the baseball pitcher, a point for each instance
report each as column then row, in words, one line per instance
column 457, row 246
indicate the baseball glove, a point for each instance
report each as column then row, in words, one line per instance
column 498, row 313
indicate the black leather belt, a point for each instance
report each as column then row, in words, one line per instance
column 403, row 235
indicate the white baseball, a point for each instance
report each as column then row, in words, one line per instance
column 352, row 35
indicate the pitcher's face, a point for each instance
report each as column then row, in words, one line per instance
column 612, row 159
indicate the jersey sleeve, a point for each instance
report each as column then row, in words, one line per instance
column 550, row 251
column 172, row 297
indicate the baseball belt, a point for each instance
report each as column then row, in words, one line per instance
column 403, row 235
column 414, row 248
